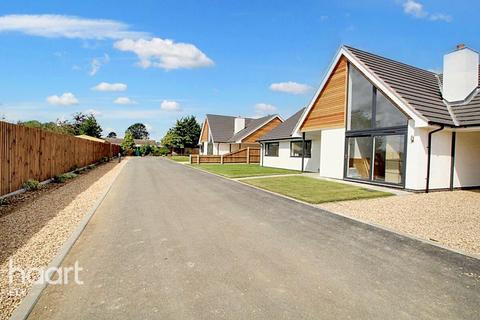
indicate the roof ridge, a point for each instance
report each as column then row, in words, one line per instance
column 390, row 59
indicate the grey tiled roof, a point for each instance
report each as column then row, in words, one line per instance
column 223, row 127
column 283, row 130
column 251, row 127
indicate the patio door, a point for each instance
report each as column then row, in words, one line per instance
column 376, row 157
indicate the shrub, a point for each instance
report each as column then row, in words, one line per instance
column 160, row 151
column 64, row 177
column 105, row 160
column 3, row 201
column 92, row 166
column 31, row 185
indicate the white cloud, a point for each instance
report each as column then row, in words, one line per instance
column 105, row 86
column 170, row 105
column 165, row 54
column 264, row 109
column 416, row 9
column 124, row 100
column 65, row 99
column 290, row 87
column 62, row 26
column 97, row 63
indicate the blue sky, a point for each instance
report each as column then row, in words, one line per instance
column 227, row 57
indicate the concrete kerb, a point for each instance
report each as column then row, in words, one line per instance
column 371, row 224
column 28, row 303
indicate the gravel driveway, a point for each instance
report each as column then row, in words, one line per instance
column 451, row 218
column 173, row 242
column 32, row 234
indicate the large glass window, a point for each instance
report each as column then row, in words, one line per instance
column 360, row 101
column 376, row 133
column 388, row 163
column 386, row 114
column 296, row 148
column 359, row 157
column 271, row 149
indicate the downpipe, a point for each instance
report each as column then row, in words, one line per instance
column 427, row 187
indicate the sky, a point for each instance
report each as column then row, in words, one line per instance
column 157, row 61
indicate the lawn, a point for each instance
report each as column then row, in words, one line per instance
column 242, row 170
column 315, row 190
column 180, row 158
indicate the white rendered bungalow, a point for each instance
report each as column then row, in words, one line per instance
column 379, row 121
column 224, row 134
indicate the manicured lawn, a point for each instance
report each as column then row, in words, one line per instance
column 242, row 170
column 180, row 158
column 315, row 190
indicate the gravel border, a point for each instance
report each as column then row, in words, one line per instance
column 54, row 238
column 448, row 218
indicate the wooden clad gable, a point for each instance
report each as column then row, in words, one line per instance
column 254, row 136
column 329, row 109
column 204, row 137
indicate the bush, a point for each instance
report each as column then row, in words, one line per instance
column 104, row 160
column 3, row 201
column 32, row 185
column 92, row 166
column 64, row 177
column 160, row 151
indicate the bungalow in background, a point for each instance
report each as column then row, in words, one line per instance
column 283, row 150
column 379, row 121
column 224, row 134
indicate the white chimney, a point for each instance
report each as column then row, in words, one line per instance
column 460, row 74
column 239, row 124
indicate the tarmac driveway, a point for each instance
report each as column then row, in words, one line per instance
column 172, row 242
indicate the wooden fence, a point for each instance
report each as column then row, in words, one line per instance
column 30, row 153
column 246, row 155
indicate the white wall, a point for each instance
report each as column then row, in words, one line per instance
column 221, row 148
column 284, row 160
column 467, row 160
column 332, row 153
column 417, row 158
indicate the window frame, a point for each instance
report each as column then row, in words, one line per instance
column 372, row 133
column 303, row 149
column 266, row 149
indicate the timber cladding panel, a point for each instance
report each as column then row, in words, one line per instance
column 204, row 137
column 30, row 153
column 254, row 136
column 328, row 110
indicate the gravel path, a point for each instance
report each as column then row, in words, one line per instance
column 451, row 218
column 32, row 234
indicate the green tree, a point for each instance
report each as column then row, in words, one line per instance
column 128, row 144
column 90, row 127
column 138, row 131
column 185, row 133
column 112, row 135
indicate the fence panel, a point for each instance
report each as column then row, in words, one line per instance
column 31, row 153
column 247, row 155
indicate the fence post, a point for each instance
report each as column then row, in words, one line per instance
column 221, row 159
column 190, row 159
column 248, row 155
column 198, row 159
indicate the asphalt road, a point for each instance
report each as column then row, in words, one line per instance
column 172, row 242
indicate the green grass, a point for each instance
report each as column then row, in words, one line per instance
column 180, row 158
column 315, row 190
column 242, row 170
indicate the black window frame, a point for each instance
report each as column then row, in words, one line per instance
column 372, row 132
column 267, row 144
column 309, row 155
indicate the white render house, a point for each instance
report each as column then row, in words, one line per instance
column 379, row 121
column 225, row 134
